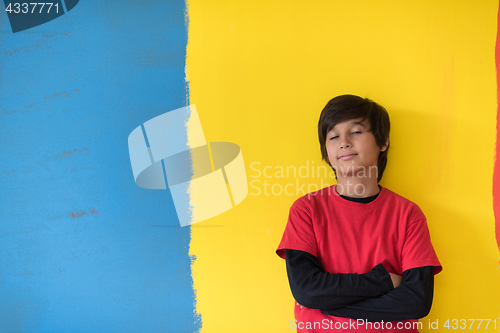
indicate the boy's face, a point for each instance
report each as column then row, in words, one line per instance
column 351, row 149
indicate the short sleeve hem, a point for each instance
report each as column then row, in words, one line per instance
column 293, row 246
column 422, row 263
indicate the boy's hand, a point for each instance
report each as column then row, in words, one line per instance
column 396, row 279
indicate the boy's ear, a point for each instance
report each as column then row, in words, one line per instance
column 384, row 147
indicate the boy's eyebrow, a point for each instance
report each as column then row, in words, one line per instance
column 353, row 123
column 358, row 123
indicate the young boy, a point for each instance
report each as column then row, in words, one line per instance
column 359, row 257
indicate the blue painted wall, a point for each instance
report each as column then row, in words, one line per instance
column 82, row 247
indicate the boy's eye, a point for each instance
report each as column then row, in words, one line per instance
column 356, row 132
column 334, row 137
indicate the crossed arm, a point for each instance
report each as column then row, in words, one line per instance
column 372, row 296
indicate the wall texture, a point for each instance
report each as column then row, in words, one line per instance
column 82, row 247
column 260, row 72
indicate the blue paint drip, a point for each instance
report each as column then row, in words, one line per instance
column 82, row 247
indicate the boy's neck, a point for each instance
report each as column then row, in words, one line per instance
column 355, row 187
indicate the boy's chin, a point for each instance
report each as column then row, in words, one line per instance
column 354, row 178
column 356, row 171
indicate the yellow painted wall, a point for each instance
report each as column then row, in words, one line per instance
column 261, row 71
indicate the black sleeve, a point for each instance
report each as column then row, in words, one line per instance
column 412, row 299
column 314, row 288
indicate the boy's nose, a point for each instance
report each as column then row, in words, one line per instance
column 345, row 145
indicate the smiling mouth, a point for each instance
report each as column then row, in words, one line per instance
column 346, row 157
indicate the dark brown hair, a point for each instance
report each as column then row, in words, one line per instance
column 347, row 107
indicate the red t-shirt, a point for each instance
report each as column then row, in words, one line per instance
column 352, row 237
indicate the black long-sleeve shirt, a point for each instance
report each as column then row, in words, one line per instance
column 369, row 296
